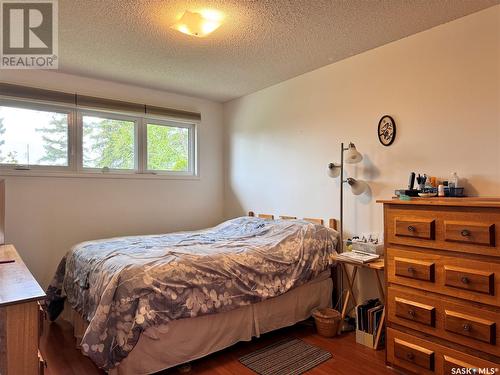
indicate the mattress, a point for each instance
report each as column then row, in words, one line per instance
column 184, row 340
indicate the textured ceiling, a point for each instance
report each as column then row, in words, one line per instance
column 262, row 42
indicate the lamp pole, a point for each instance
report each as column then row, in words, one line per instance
column 342, row 149
column 340, row 278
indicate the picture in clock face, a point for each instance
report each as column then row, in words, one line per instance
column 386, row 130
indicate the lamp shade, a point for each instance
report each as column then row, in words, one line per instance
column 357, row 187
column 352, row 155
column 333, row 170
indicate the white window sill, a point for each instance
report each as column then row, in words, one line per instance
column 109, row 175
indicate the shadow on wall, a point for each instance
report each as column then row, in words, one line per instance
column 470, row 189
column 366, row 197
column 370, row 171
column 232, row 204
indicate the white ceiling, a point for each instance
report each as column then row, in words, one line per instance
column 261, row 43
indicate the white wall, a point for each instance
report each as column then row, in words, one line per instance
column 45, row 216
column 442, row 87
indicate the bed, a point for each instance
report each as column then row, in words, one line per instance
column 142, row 304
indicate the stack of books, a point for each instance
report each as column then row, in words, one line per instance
column 368, row 317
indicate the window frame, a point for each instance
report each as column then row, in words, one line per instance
column 36, row 106
column 75, row 144
column 192, row 145
column 111, row 116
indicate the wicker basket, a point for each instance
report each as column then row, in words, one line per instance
column 327, row 321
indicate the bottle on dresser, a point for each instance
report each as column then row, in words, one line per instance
column 453, row 181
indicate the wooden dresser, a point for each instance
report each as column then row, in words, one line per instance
column 443, row 284
column 20, row 317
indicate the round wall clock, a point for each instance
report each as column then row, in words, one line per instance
column 386, row 130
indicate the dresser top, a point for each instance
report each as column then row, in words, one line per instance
column 458, row 202
column 17, row 284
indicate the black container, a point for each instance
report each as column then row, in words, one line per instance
column 454, row 192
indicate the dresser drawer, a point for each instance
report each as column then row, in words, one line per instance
column 416, row 355
column 446, row 361
column 414, row 269
column 453, row 320
column 470, row 279
column 415, row 311
column 470, row 232
column 414, row 227
column 467, row 230
column 461, row 277
column 470, row 325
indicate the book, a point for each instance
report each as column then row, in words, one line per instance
column 357, row 257
column 372, row 319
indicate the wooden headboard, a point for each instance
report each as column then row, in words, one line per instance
column 332, row 223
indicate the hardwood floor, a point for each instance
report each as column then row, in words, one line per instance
column 58, row 348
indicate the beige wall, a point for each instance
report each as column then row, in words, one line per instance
column 441, row 86
column 45, row 216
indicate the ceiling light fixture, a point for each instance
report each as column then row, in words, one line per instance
column 199, row 23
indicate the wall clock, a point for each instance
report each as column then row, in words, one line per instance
column 386, row 130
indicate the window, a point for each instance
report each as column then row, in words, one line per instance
column 67, row 138
column 108, row 143
column 168, row 147
column 34, row 137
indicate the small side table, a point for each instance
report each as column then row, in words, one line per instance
column 377, row 266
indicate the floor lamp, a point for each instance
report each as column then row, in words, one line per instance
column 348, row 155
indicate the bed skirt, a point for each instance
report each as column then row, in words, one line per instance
column 185, row 340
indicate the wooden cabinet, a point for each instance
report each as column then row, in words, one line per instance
column 443, row 284
column 19, row 316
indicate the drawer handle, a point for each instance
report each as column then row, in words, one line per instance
column 410, row 356
column 465, row 233
column 467, row 327
column 411, row 270
column 412, row 313
column 465, row 280
column 411, row 228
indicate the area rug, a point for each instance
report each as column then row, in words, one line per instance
column 290, row 356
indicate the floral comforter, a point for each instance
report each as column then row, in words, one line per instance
column 124, row 285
